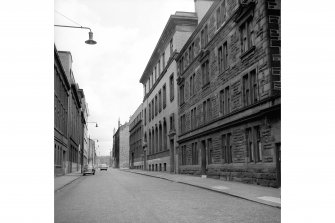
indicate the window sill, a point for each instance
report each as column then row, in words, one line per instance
column 249, row 52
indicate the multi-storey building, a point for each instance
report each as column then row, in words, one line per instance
column 160, row 89
column 84, row 114
column 75, row 127
column 137, row 157
column 229, row 93
column 61, row 88
column 121, row 146
column 91, row 152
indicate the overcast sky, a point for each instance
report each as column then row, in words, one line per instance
column 127, row 32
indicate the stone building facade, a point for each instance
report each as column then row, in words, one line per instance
column 160, row 91
column 61, row 89
column 70, row 116
column 229, row 94
column 137, row 157
column 75, row 127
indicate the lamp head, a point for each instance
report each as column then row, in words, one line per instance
column 90, row 40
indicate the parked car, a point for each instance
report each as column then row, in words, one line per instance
column 89, row 169
column 103, row 167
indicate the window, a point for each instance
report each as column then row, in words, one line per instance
column 181, row 65
column 171, row 47
column 226, row 148
column 181, row 90
column 159, row 68
column 258, row 145
column 205, row 72
column 225, row 56
column 204, row 37
column 254, row 86
column 204, row 110
column 149, row 111
column 209, row 109
column 164, row 96
column 182, row 123
column 193, row 118
column 160, row 100
column 186, row 60
column 246, row 91
column 229, row 149
column 250, row 146
column 250, row 88
column 195, row 154
column 191, row 53
column 145, row 116
column 183, row 155
column 218, row 18
column 155, row 73
column 227, row 100
column 192, row 86
column 254, row 146
column 222, row 102
column 210, row 151
column 172, row 123
column 156, row 105
column 247, row 35
column 223, row 11
column 171, row 87
column 163, row 59
column 220, row 59
column 153, row 109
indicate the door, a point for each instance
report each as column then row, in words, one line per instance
column 172, row 156
column 145, row 159
column 278, row 164
column 203, row 157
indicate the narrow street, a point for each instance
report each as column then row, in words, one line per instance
column 116, row 196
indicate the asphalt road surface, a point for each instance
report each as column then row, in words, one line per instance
column 116, row 196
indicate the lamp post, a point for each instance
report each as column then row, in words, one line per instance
column 90, row 40
column 96, row 124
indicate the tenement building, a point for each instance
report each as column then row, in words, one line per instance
column 229, row 94
column 61, row 88
column 160, row 93
column 75, row 127
column 137, row 157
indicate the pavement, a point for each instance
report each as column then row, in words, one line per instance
column 62, row 181
column 260, row 194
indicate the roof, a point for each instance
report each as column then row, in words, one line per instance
column 179, row 18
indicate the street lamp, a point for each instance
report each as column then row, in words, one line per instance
column 90, row 40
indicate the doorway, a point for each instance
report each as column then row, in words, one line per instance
column 278, row 164
column 203, row 157
column 172, row 156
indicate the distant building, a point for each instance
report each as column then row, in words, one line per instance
column 121, row 146
column 137, row 157
column 91, row 152
column 229, row 94
column 61, row 89
column 160, row 94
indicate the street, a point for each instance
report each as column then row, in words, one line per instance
column 117, row 196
